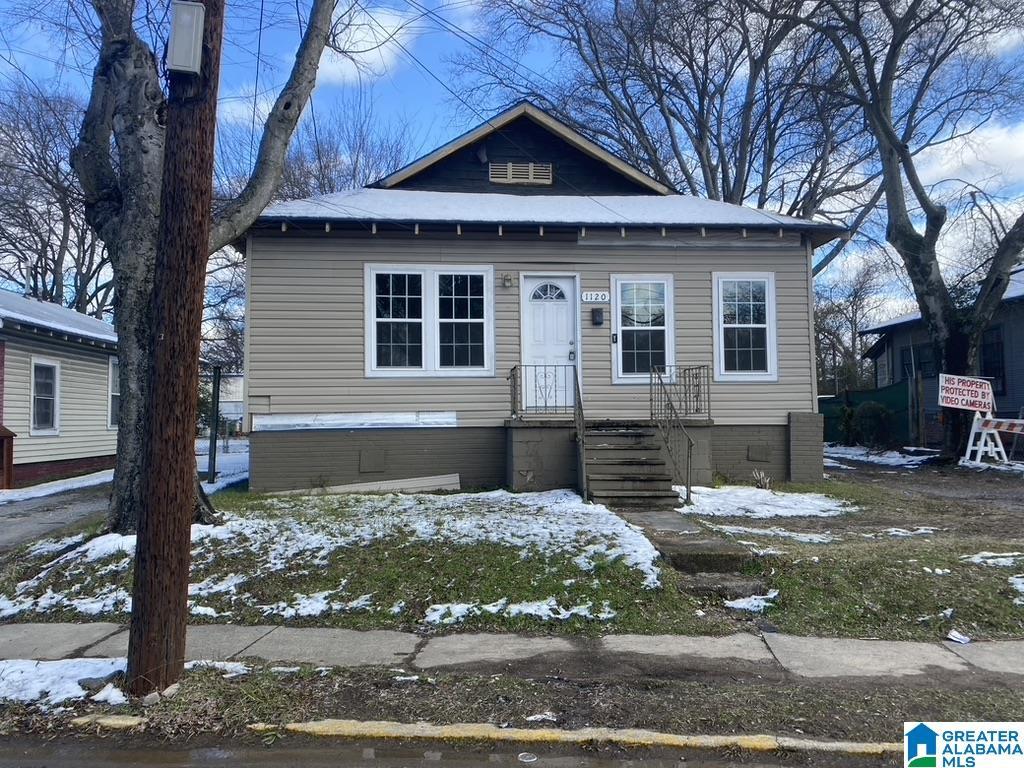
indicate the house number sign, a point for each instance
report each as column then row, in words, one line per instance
column 596, row 297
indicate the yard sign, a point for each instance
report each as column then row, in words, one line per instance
column 969, row 393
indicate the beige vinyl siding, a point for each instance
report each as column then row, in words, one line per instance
column 83, row 393
column 306, row 326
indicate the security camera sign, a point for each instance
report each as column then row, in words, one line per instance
column 966, row 393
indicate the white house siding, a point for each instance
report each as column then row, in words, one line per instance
column 82, row 402
column 306, row 325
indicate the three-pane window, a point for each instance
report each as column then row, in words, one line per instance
column 45, row 396
column 430, row 321
column 745, row 336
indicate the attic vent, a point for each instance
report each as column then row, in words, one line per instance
column 521, row 173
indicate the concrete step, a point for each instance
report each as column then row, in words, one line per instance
column 701, row 555
column 727, row 586
column 627, row 467
column 602, row 483
column 600, row 451
column 636, row 500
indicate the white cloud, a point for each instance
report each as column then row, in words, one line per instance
column 371, row 41
column 237, row 107
column 991, row 157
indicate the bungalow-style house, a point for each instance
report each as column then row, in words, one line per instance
column 60, row 392
column 902, row 351
column 491, row 314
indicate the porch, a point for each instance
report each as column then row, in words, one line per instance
column 624, row 463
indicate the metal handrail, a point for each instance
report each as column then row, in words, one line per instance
column 538, row 390
column 581, row 436
column 669, row 423
column 690, row 388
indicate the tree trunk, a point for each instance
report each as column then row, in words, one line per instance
column 956, row 360
column 156, row 645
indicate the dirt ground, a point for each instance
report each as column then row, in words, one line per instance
column 952, row 499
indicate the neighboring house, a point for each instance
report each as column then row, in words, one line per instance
column 232, row 399
column 60, row 390
column 434, row 325
column 903, row 349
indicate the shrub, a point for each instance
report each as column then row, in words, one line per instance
column 873, row 424
column 846, row 427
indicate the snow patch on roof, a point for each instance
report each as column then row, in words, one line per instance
column 485, row 207
column 53, row 317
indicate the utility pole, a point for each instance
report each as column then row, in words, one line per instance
column 156, row 644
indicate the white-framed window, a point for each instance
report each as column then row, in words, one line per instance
column 113, row 393
column 745, row 348
column 642, row 320
column 429, row 320
column 45, row 396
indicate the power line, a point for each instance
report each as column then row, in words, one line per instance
column 256, row 85
column 312, row 108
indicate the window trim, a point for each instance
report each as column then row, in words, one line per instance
column 53, row 431
column 111, row 426
column 772, row 353
column 618, row 377
column 430, row 322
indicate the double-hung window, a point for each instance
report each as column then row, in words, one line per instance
column 642, row 310
column 429, row 321
column 744, row 305
column 45, row 397
column 113, row 393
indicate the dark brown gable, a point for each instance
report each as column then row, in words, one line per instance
column 523, row 141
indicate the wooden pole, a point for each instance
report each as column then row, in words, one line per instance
column 156, row 641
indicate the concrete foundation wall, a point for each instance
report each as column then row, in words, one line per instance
column 296, row 459
column 737, row 451
column 541, row 456
column 805, row 447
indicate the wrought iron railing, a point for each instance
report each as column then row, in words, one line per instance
column 581, row 436
column 689, row 387
column 542, row 390
column 669, row 422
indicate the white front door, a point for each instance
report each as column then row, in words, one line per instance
column 549, row 344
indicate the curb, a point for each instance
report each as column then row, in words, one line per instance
column 626, row 737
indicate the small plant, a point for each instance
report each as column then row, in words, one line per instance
column 873, row 423
column 762, row 480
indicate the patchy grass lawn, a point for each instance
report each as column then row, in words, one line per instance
column 898, row 564
column 496, row 561
column 210, row 704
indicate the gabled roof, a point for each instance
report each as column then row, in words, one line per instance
column 53, row 319
column 420, row 207
column 1014, row 292
column 538, row 115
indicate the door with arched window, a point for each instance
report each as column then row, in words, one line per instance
column 549, row 342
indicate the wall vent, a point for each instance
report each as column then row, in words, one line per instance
column 521, row 173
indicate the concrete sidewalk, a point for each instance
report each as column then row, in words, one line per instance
column 769, row 656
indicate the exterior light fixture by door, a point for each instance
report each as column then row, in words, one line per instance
column 185, row 47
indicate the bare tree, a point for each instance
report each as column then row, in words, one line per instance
column 119, row 159
column 345, row 147
column 47, row 248
column 709, row 97
column 843, row 307
column 922, row 73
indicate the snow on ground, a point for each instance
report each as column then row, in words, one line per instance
column 1016, row 467
column 833, row 464
column 774, row 532
column 902, row 533
column 1017, row 582
column 232, row 467
column 995, row 559
column 296, row 534
column 53, row 682
column 886, row 458
column 747, row 501
column 754, row 603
